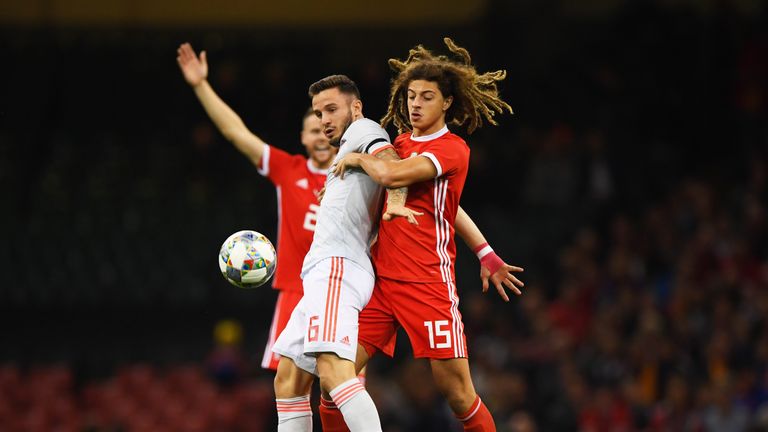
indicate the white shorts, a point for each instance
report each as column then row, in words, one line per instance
column 326, row 318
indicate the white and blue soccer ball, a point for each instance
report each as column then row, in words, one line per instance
column 247, row 259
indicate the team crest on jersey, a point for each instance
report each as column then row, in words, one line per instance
column 303, row 183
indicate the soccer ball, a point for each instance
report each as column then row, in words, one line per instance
column 247, row 259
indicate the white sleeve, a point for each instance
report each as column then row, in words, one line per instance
column 434, row 160
column 367, row 136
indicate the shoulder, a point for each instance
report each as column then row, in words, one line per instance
column 364, row 127
column 455, row 140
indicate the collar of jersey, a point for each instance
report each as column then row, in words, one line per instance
column 314, row 170
column 431, row 136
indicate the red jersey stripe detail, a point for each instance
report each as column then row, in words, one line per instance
column 382, row 148
column 336, row 301
column 328, row 298
column 284, row 407
column 442, row 232
column 348, row 393
column 472, row 411
column 267, row 358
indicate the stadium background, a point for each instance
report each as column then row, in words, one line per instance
column 631, row 183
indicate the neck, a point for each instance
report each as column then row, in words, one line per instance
column 436, row 126
column 322, row 166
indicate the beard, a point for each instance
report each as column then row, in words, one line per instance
column 336, row 142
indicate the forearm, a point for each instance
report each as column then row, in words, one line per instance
column 470, row 233
column 466, row 229
column 398, row 173
column 395, row 196
column 228, row 122
column 376, row 168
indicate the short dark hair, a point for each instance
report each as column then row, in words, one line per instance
column 341, row 82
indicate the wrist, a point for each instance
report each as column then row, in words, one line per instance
column 199, row 84
column 488, row 257
column 482, row 250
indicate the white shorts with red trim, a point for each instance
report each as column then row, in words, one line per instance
column 326, row 319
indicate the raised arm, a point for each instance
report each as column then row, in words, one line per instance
column 195, row 71
column 492, row 267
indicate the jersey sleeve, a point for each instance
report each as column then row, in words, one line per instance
column 275, row 163
column 368, row 137
column 448, row 156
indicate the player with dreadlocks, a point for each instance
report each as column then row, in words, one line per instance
column 415, row 281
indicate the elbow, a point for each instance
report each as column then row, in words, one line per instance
column 229, row 134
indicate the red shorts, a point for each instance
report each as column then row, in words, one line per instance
column 286, row 303
column 428, row 312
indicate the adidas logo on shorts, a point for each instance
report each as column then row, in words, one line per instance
column 345, row 340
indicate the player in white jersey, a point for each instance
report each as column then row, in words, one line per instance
column 351, row 207
column 321, row 336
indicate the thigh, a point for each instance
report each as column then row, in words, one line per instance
column 334, row 295
column 429, row 313
column 378, row 327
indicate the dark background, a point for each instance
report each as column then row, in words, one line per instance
column 630, row 183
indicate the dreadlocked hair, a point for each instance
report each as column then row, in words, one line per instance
column 475, row 96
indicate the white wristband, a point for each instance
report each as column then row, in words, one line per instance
column 484, row 251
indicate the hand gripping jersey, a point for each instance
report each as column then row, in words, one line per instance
column 425, row 252
column 297, row 183
column 350, row 207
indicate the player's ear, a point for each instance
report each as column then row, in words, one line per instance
column 357, row 107
column 447, row 103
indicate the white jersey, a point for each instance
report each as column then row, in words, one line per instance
column 351, row 207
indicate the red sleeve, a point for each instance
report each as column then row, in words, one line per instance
column 275, row 163
column 449, row 155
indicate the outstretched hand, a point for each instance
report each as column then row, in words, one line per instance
column 394, row 211
column 194, row 68
column 503, row 277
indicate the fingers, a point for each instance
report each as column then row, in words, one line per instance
column 502, row 292
column 515, row 280
column 485, row 283
column 508, row 283
column 185, row 51
column 514, row 269
column 337, row 169
column 186, row 54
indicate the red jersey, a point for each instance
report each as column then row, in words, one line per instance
column 425, row 252
column 297, row 183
